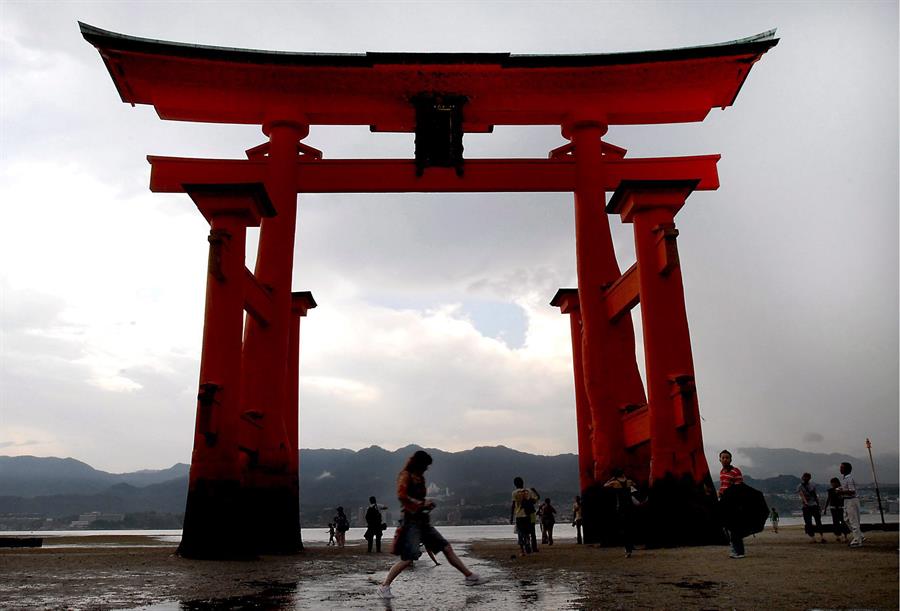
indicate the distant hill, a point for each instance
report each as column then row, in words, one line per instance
column 771, row 462
column 30, row 476
column 344, row 477
column 59, row 487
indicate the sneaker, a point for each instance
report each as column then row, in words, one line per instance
column 474, row 580
column 736, row 556
column 384, row 592
column 855, row 544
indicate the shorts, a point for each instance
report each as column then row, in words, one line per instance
column 411, row 534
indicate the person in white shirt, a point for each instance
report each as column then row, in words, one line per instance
column 851, row 504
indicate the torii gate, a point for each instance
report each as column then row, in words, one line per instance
column 243, row 494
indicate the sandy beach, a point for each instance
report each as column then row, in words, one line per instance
column 781, row 571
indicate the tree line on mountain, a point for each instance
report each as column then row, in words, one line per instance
column 472, row 486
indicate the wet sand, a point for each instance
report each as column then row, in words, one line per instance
column 781, row 571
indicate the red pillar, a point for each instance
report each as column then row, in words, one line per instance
column 679, row 471
column 611, row 377
column 213, row 514
column 265, row 439
column 567, row 302
column 301, row 303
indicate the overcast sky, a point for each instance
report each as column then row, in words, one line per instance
column 433, row 325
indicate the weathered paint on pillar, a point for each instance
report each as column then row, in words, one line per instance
column 682, row 502
column 266, row 439
column 611, row 377
column 213, row 516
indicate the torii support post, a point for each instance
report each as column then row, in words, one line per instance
column 215, row 523
column 268, row 478
column 682, row 497
column 610, row 373
column 600, row 526
column 567, row 302
column 301, row 303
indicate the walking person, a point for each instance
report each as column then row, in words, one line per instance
column 835, row 501
column 774, row 517
column 531, row 510
column 341, row 526
column 374, row 526
column 729, row 477
column 331, row 540
column 811, row 510
column 522, row 499
column 548, row 519
column 416, row 527
column 624, row 490
column 576, row 519
column 851, row 504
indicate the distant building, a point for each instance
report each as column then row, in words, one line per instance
column 86, row 519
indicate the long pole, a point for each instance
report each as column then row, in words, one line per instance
column 875, row 477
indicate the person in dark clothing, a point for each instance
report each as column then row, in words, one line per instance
column 836, row 502
column 809, row 499
column 341, row 525
column 547, row 515
column 374, row 525
column 624, row 490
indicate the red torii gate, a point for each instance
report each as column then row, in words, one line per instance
column 243, row 497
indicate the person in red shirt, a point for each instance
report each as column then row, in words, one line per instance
column 730, row 476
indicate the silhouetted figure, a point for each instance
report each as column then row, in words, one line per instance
column 836, row 502
column 374, row 525
column 330, row 534
column 341, row 525
column 624, row 490
column 809, row 498
column 531, row 509
column 547, row 515
column 576, row 519
column 774, row 517
column 520, row 513
column 416, row 527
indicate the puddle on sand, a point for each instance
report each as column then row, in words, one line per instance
column 423, row 587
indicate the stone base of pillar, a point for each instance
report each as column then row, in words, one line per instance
column 215, row 524
column 595, row 521
column 275, row 519
column 681, row 511
column 677, row 512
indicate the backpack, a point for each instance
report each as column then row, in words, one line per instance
column 343, row 525
column 528, row 506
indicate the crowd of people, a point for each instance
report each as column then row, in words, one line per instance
column 527, row 513
column 841, row 498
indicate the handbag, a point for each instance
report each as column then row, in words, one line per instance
column 398, row 534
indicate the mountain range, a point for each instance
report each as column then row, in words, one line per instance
column 59, row 487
